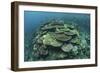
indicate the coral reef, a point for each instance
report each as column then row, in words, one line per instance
column 57, row 40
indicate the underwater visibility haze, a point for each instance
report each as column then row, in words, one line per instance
column 56, row 36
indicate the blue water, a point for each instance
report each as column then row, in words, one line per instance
column 33, row 19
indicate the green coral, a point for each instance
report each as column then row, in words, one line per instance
column 49, row 40
column 62, row 37
column 75, row 40
column 67, row 47
column 58, row 40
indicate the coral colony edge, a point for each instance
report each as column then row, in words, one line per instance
column 56, row 36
